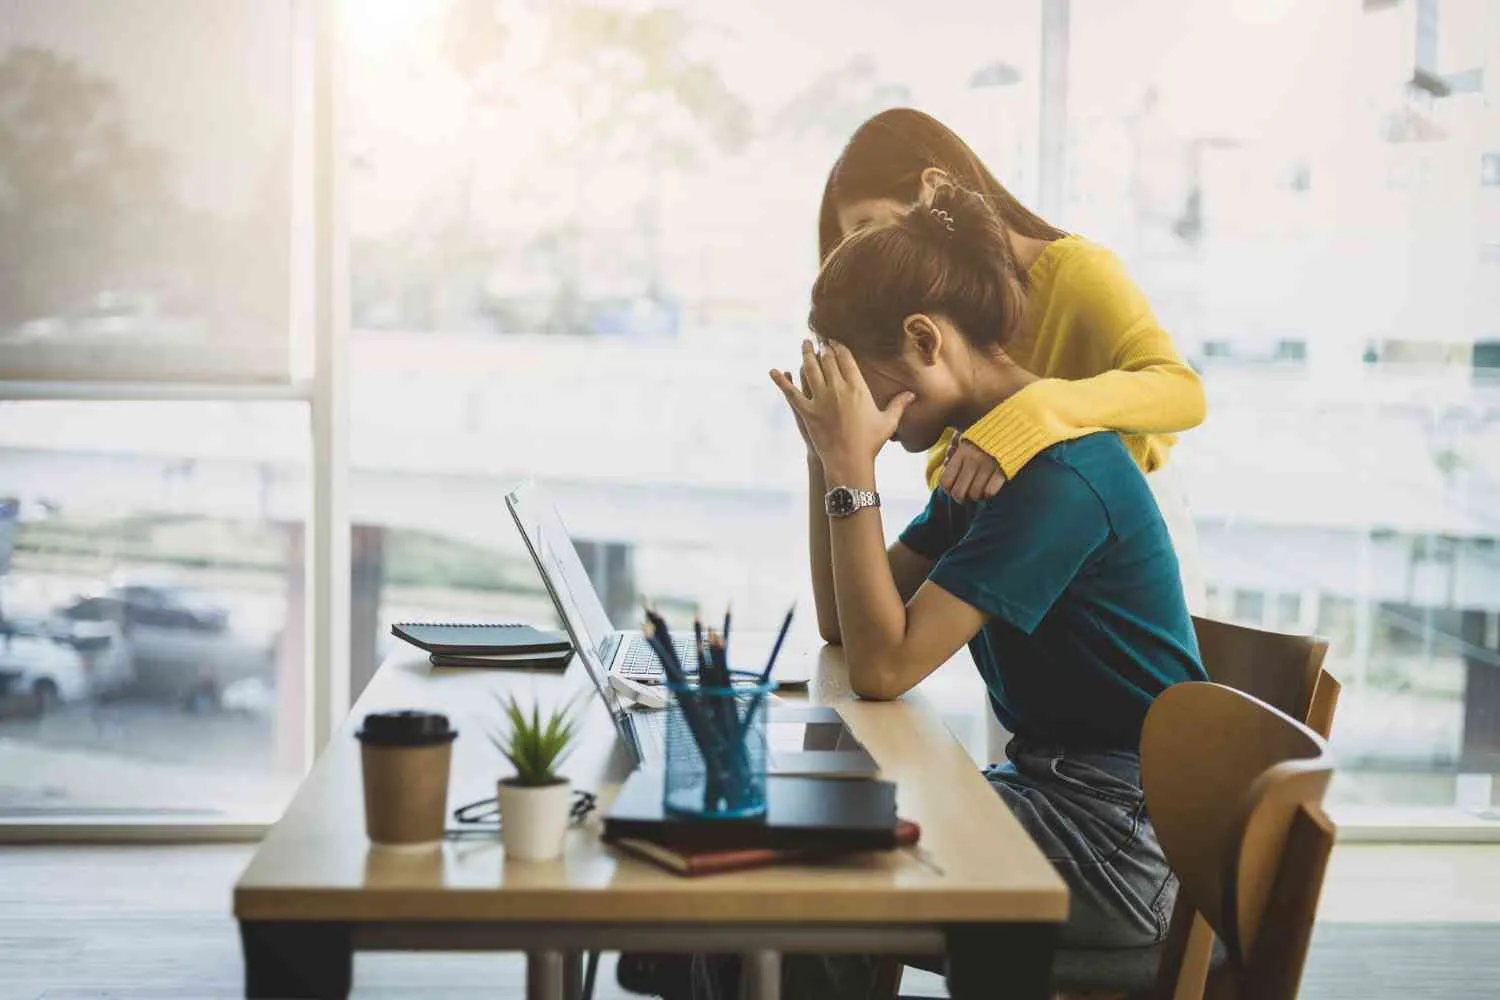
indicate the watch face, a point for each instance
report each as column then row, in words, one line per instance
column 840, row 501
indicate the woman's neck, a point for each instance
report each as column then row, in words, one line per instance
column 995, row 379
column 1027, row 249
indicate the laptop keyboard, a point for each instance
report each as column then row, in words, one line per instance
column 651, row 733
column 640, row 663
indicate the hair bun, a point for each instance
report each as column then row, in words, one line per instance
column 943, row 218
column 956, row 213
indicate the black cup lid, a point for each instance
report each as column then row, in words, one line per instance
column 406, row 728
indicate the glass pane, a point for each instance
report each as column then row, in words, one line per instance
column 145, row 189
column 151, row 607
column 1316, row 241
column 591, row 280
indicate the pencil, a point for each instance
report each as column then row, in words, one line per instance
column 699, row 719
column 776, row 649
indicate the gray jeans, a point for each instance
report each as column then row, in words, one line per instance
column 1087, row 813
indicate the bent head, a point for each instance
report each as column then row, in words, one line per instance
column 919, row 302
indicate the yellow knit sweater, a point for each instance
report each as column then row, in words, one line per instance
column 1103, row 364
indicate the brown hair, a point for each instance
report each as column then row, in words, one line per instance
column 885, row 157
column 950, row 257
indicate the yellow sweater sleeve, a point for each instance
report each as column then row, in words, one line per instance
column 1141, row 385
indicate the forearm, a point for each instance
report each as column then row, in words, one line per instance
column 820, row 556
column 871, row 612
column 1162, row 400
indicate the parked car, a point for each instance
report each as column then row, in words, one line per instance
column 54, row 662
column 157, row 605
column 37, row 665
column 114, row 314
column 182, row 644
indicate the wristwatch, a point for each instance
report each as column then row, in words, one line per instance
column 841, row 501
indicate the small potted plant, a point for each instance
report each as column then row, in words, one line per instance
column 536, row 801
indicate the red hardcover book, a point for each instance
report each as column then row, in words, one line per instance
column 711, row 861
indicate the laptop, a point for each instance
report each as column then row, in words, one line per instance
column 801, row 740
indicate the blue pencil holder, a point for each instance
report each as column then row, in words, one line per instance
column 716, row 749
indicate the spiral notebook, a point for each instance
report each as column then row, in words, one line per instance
column 480, row 639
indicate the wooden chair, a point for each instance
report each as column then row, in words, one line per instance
column 1284, row 671
column 1235, row 789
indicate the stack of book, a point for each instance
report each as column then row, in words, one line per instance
column 492, row 644
column 807, row 819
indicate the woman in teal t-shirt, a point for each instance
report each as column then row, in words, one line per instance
column 1063, row 585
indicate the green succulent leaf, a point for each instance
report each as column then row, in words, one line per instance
column 535, row 746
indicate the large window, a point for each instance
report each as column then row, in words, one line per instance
column 151, row 608
column 1314, row 236
column 579, row 234
column 583, row 231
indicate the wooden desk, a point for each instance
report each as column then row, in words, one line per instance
column 316, row 890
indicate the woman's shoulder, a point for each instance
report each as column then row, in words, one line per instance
column 1091, row 284
column 1075, row 260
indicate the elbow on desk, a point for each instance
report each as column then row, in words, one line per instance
column 876, row 685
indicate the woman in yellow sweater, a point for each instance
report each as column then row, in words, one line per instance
column 1087, row 331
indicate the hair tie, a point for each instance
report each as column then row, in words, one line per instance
column 943, row 218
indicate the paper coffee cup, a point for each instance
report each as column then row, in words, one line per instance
column 405, row 757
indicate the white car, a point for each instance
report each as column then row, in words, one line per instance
column 56, row 666
column 40, row 665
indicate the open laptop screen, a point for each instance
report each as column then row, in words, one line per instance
column 572, row 591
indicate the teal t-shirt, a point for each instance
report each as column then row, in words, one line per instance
column 1072, row 562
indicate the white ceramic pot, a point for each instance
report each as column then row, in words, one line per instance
column 533, row 821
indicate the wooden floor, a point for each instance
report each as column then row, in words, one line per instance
column 88, row 923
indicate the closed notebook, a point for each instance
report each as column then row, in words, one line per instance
column 696, row 861
column 828, row 814
column 505, row 661
column 459, row 639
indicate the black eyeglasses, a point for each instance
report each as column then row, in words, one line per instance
column 483, row 816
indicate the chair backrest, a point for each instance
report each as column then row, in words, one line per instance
column 1235, row 788
column 1284, row 671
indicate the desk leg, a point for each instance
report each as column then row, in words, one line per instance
column 760, row 976
column 1014, row 960
column 573, row 975
column 296, row 961
column 544, row 975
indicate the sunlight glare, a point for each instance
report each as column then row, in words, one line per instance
column 374, row 27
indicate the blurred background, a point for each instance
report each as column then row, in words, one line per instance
column 579, row 234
